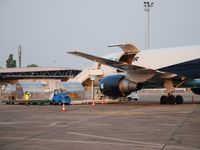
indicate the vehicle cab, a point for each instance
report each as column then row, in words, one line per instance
column 61, row 97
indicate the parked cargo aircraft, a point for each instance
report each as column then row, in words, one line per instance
column 171, row 68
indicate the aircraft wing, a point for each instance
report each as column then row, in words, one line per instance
column 116, row 64
column 138, row 71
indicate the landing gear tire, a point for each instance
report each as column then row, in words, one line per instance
column 171, row 99
column 179, row 99
column 163, row 100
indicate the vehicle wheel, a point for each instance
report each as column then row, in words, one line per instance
column 163, row 100
column 179, row 99
column 171, row 99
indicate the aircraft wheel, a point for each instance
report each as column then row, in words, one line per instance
column 179, row 99
column 163, row 100
column 171, row 99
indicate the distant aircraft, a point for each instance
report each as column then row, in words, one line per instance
column 177, row 67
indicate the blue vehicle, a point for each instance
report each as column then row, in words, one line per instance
column 61, row 97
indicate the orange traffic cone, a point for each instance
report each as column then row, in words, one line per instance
column 93, row 103
column 64, row 108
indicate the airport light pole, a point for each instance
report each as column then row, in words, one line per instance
column 147, row 6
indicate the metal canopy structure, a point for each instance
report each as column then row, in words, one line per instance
column 37, row 72
column 73, row 86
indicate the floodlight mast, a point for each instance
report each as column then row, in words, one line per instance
column 20, row 55
column 147, row 6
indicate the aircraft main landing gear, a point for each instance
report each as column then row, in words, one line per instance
column 171, row 99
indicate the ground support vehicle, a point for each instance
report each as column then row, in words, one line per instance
column 60, row 97
column 133, row 96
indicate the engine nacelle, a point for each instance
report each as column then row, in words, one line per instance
column 117, row 85
column 196, row 90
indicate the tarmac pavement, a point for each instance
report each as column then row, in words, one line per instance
column 125, row 126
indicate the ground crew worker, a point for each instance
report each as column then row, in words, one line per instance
column 27, row 96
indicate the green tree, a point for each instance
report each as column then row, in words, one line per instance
column 32, row 65
column 10, row 62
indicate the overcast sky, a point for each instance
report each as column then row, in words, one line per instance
column 46, row 29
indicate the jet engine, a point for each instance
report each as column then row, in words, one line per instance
column 117, row 85
column 196, row 90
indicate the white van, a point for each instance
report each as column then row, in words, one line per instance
column 133, row 96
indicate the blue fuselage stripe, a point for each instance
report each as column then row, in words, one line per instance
column 189, row 69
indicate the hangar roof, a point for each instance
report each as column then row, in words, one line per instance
column 37, row 72
column 31, row 69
